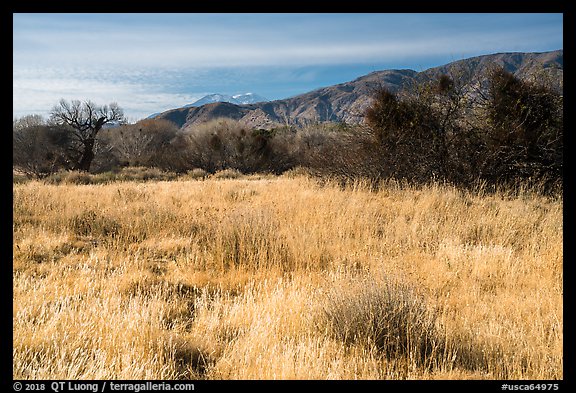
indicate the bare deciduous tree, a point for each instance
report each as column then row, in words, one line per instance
column 85, row 120
column 27, row 121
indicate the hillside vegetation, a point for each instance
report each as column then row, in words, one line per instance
column 268, row 277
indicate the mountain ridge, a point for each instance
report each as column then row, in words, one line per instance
column 347, row 101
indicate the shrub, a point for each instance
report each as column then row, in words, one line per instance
column 228, row 174
column 77, row 177
column 18, row 177
column 196, row 174
column 384, row 313
column 342, row 152
column 146, row 143
column 416, row 130
column 502, row 130
column 525, row 134
column 124, row 174
column 69, row 177
column 297, row 172
column 143, row 174
column 40, row 150
column 228, row 144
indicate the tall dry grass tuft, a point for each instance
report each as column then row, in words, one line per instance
column 384, row 314
column 266, row 277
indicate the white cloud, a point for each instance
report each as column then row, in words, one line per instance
column 38, row 95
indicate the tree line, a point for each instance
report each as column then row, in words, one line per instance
column 497, row 129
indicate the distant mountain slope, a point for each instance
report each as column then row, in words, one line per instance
column 346, row 102
column 522, row 65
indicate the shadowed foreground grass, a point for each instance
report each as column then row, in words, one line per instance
column 280, row 278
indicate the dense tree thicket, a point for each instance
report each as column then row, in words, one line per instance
column 504, row 131
column 39, row 149
column 225, row 143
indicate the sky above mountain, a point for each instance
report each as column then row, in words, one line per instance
column 149, row 63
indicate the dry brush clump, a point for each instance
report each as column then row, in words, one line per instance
column 138, row 174
column 387, row 315
column 225, row 144
column 283, row 278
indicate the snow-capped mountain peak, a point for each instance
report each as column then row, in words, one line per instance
column 238, row 99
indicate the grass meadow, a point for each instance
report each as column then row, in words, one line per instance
column 263, row 277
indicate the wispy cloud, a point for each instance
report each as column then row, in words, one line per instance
column 38, row 95
column 201, row 44
column 142, row 57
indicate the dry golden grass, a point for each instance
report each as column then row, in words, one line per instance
column 280, row 278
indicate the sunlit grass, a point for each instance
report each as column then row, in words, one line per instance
column 281, row 278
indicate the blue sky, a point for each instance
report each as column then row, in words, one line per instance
column 153, row 62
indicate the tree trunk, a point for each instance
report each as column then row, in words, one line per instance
column 87, row 156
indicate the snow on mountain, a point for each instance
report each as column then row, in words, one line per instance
column 238, row 99
column 249, row 98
